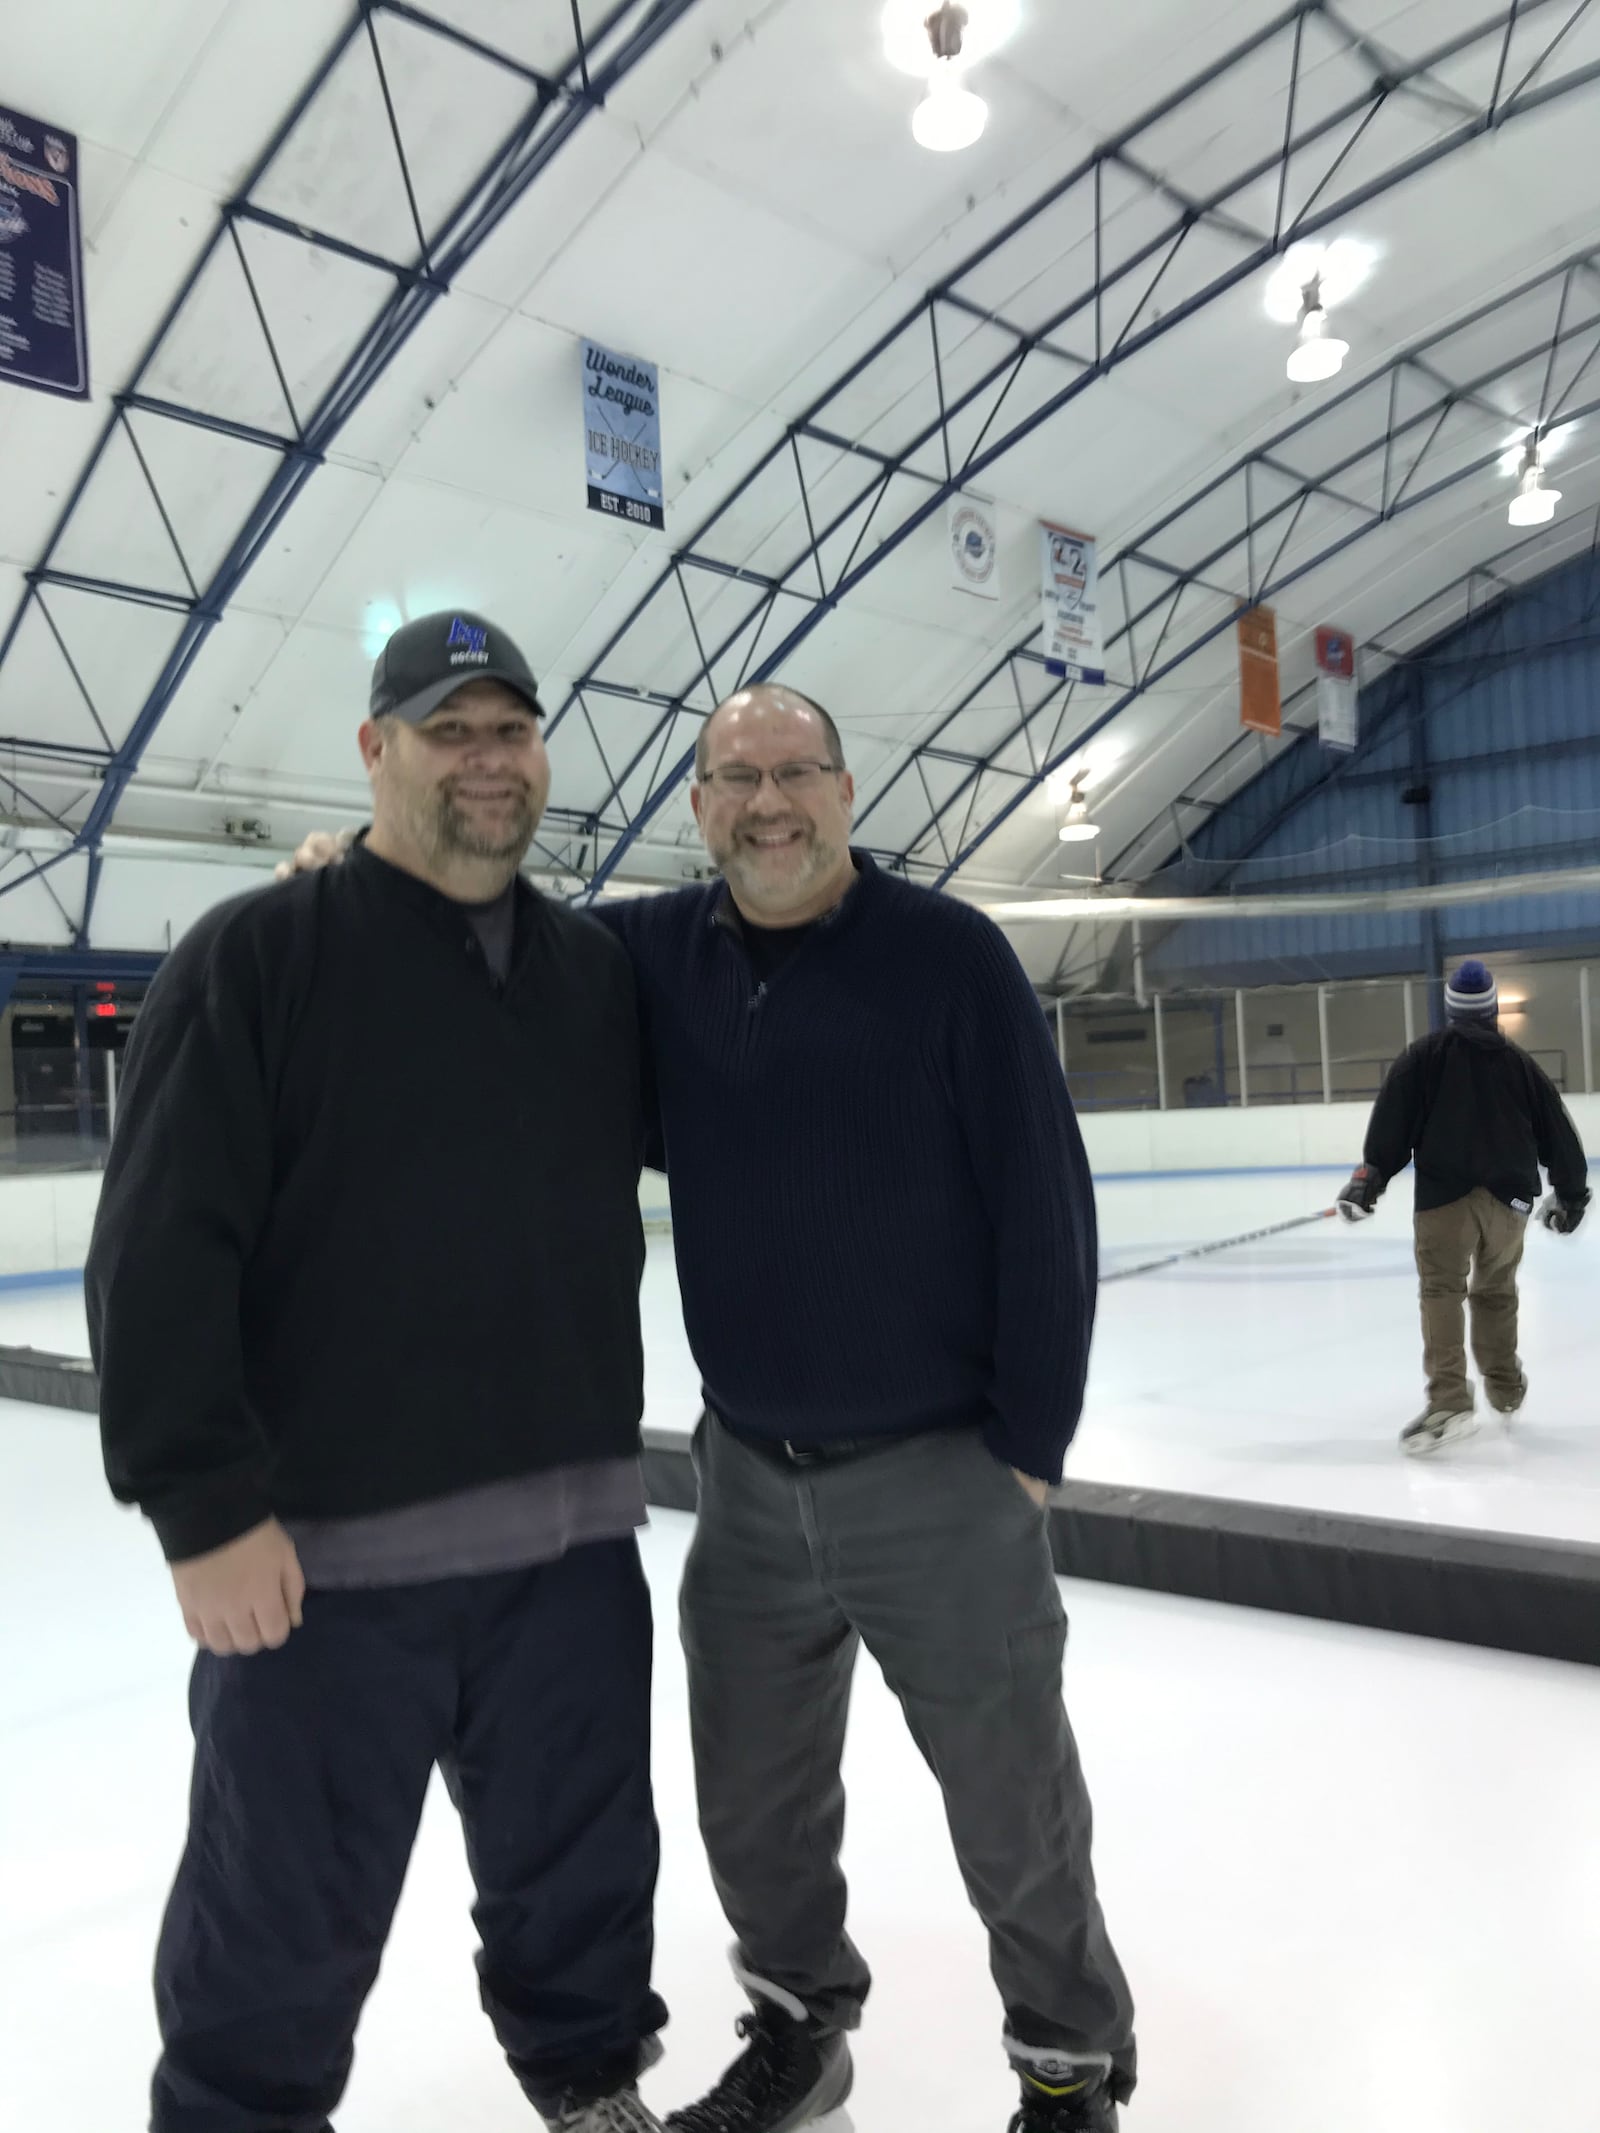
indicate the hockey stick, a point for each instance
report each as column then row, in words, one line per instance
column 1223, row 1244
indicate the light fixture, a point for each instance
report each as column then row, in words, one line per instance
column 1551, row 443
column 949, row 118
column 1317, row 354
column 905, row 31
column 1078, row 829
column 1533, row 504
column 1339, row 269
column 1069, row 783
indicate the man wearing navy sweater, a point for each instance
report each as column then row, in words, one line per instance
column 885, row 1234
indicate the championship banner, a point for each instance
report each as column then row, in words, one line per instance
column 1337, row 703
column 1260, row 705
column 974, row 547
column 1071, row 597
column 43, row 337
column 622, row 436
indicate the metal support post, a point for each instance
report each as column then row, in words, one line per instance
column 1161, row 1055
column 1244, row 1072
column 1061, row 1032
column 1588, row 1029
column 1411, row 1013
column 1322, row 1037
column 82, row 1064
column 111, row 1093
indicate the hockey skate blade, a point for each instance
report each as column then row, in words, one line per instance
column 1421, row 1444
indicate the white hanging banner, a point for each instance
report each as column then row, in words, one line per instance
column 622, row 436
column 1338, row 717
column 1071, row 595
column 974, row 547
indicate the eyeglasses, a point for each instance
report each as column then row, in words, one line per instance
column 743, row 779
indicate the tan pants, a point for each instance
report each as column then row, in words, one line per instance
column 1481, row 1238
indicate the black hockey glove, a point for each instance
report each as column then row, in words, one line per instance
column 1362, row 1193
column 1562, row 1216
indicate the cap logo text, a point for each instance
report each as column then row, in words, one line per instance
column 466, row 642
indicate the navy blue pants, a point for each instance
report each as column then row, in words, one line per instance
column 531, row 1692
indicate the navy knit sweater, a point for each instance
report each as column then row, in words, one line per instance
column 882, row 1211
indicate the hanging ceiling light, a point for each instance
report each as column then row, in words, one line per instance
column 1339, row 269
column 1078, row 829
column 904, row 23
column 1533, row 504
column 949, row 117
column 1317, row 354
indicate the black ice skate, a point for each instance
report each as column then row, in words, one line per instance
column 1506, row 1399
column 1065, row 2105
column 620, row 2112
column 1436, row 1426
column 789, row 2074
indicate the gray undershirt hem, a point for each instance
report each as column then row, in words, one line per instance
column 508, row 1525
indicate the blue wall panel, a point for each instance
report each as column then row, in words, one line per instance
column 1503, row 717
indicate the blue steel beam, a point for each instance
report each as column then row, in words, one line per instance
column 1300, row 778
column 1324, row 207
column 1397, row 498
column 1250, row 524
column 1344, row 770
column 1337, row 548
column 602, row 59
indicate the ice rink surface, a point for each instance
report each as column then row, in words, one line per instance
column 1355, row 1878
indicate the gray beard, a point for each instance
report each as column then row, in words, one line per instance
column 739, row 866
column 459, row 838
column 448, row 834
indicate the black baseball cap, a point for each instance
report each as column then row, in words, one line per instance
column 429, row 659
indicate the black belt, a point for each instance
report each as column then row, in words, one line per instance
column 838, row 1451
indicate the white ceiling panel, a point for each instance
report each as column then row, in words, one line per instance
column 750, row 212
column 118, row 651
column 117, row 86
column 229, row 667
column 708, row 275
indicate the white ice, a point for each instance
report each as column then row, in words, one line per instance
column 1355, row 1878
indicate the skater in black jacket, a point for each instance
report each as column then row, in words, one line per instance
column 1480, row 1118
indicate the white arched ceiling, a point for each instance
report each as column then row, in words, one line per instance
column 749, row 211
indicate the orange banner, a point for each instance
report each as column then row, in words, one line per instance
column 1260, row 705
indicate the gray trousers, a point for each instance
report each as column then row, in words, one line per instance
column 930, row 1553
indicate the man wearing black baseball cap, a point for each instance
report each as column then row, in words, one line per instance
column 426, row 661
column 363, row 1295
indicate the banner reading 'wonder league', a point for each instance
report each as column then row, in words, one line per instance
column 43, row 340
column 622, row 436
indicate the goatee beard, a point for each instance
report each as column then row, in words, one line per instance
column 456, row 836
